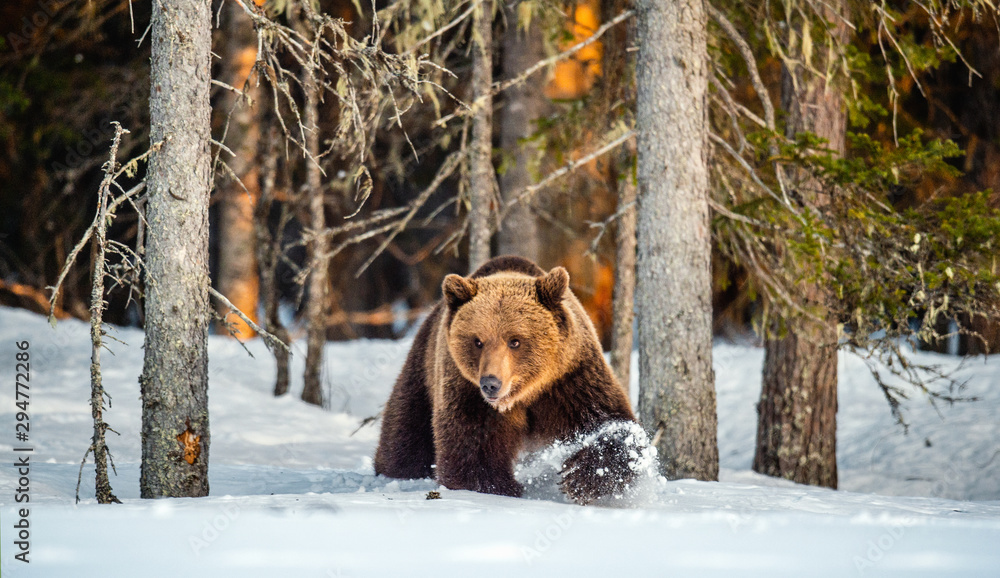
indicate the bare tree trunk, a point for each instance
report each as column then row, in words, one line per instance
column 623, row 301
column 617, row 88
column 269, row 247
column 797, row 413
column 482, row 181
column 673, row 289
column 174, row 380
column 524, row 103
column 102, row 485
column 237, row 277
column 319, row 283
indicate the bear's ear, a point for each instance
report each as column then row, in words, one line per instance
column 458, row 290
column 551, row 287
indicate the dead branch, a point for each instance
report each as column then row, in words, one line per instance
column 110, row 210
column 525, row 194
column 533, row 69
column 747, row 53
column 99, row 247
column 270, row 340
column 458, row 19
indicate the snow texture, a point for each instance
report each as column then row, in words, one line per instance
column 293, row 491
column 541, row 471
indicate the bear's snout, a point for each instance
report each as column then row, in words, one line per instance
column 490, row 385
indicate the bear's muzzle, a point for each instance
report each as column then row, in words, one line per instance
column 490, row 385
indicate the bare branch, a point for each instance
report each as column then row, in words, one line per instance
column 525, row 194
column 270, row 340
column 541, row 64
column 747, row 53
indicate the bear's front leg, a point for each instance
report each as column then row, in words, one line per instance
column 607, row 465
column 475, row 445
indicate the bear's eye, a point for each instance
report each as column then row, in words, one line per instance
column 514, row 343
column 479, row 344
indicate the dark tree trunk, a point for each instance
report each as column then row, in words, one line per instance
column 319, row 282
column 237, row 275
column 482, row 181
column 269, row 246
column 673, row 276
column 174, row 380
column 797, row 414
column 518, row 234
column 986, row 340
column 797, row 426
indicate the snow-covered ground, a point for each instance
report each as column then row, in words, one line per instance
column 293, row 493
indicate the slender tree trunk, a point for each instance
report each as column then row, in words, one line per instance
column 174, row 380
column 797, row 413
column 618, row 82
column 237, row 277
column 623, row 301
column 482, row 181
column 673, row 277
column 102, row 485
column 319, row 282
column 524, row 103
column 269, row 247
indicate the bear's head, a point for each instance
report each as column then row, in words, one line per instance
column 506, row 332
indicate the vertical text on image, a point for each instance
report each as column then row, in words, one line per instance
column 22, row 457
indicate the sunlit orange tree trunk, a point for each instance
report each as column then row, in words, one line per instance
column 237, row 274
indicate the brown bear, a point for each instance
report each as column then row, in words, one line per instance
column 507, row 361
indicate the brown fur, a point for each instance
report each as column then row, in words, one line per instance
column 554, row 384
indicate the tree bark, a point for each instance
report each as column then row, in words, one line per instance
column 319, row 282
column 524, row 103
column 482, row 181
column 237, row 276
column 797, row 413
column 673, row 277
column 174, row 380
column 617, row 88
column 623, row 300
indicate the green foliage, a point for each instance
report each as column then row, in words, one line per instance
column 13, row 100
column 877, row 166
column 886, row 267
column 863, row 73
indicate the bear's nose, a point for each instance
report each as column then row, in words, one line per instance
column 490, row 385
